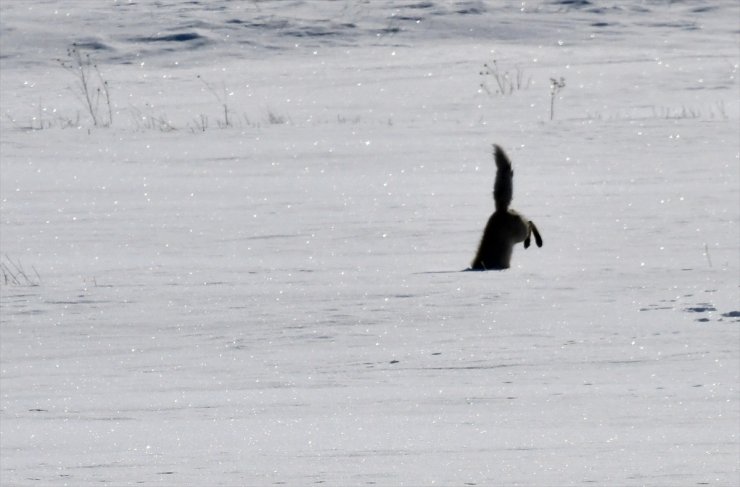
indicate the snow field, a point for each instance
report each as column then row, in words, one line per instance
column 275, row 303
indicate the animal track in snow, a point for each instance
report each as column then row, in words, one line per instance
column 709, row 309
column 706, row 311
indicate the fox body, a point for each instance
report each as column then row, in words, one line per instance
column 505, row 227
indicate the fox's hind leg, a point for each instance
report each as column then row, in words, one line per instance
column 537, row 237
column 532, row 229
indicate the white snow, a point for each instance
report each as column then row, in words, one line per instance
column 277, row 302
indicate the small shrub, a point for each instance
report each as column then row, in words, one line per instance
column 505, row 82
column 91, row 86
column 12, row 273
column 276, row 119
column 199, row 124
column 150, row 121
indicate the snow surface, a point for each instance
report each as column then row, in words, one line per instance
column 276, row 301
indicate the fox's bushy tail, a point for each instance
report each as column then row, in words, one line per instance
column 503, row 188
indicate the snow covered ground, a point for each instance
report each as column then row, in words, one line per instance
column 249, row 278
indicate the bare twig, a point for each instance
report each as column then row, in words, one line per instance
column 555, row 86
column 706, row 253
column 221, row 98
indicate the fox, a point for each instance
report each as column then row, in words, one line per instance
column 506, row 227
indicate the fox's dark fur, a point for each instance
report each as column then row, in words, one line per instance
column 506, row 227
